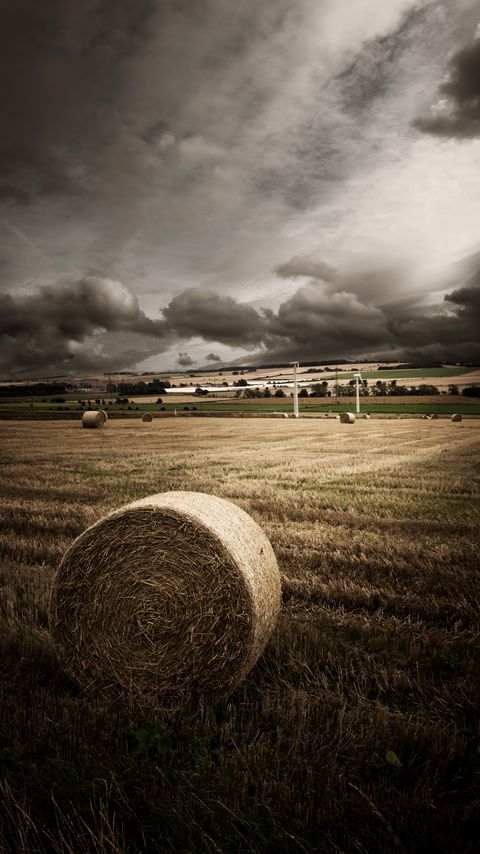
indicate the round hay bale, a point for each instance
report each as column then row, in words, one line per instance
column 365, row 415
column 434, row 417
column 147, row 416
column 104, row 413
column 285, row 414
column 456, row 417
column 170, row 598
column 93, row 418
column 347, row 418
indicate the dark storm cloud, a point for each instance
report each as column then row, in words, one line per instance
column 323, row 320
column 215, row 318
column 93, row 324
column 13, row 194
column 213, row 357
column 185, row 360
column 97, row 324
column 62, row 63
column 457, row 113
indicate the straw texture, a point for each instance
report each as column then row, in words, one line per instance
column 347, row 418
column 171, row 598
column 147, row 416
column 93, row 418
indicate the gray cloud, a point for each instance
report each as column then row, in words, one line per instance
column 185, row 360
column 62, row 63
column 140, row 129
column 215, row 318
column 92, row 324
column 457, row 112
column 97, row 324
column 185, row 147
column 299, row 266
column 338, row 319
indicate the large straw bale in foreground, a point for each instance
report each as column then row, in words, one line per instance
column 171, row 598
column 347, row 418
column 93, row 418
column 456, row 417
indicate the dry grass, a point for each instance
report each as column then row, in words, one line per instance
column 358, row 729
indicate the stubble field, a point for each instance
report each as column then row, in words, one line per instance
column 357, row 731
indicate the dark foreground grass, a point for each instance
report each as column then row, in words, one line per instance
column 358, row 730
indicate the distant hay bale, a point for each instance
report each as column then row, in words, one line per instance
column 365, row 415
column 93, row 418
column 434, row 416
column 169, row 598
column 147, row 416
column 285, row 414
column 347, row 418
column 456, row 417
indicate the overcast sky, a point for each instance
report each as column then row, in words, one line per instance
column 188, row 182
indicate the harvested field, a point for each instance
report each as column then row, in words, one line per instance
column 357, row 730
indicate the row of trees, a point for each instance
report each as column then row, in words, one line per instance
column 379, row 389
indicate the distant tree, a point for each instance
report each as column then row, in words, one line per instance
column 398, row 390
column 303, row 392
column 159, row 400
column 427, row 389
column 380, row 388
column 453, row 389
column 319, row 390
column 240, row 382
column 267, row 392
column 471, row 391
column 279, row 393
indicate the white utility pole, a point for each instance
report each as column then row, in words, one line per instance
column 295, row 389
column 357, row 377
